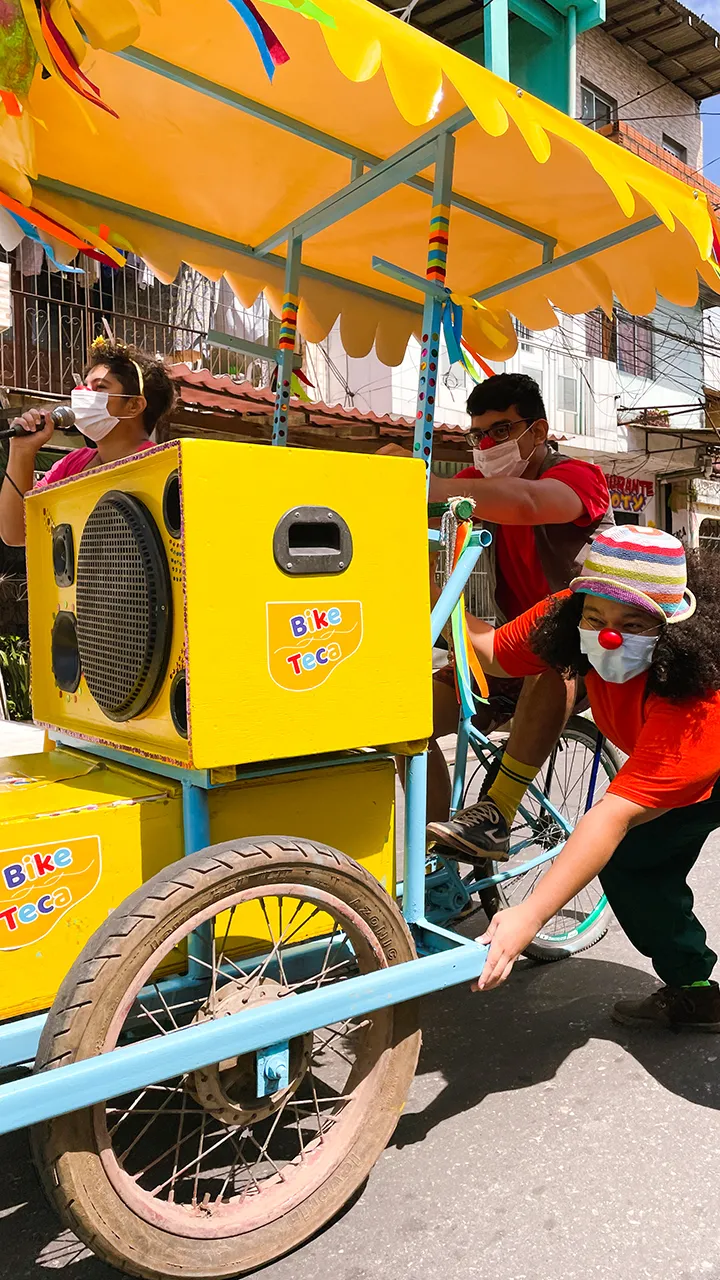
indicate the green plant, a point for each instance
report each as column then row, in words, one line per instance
column 15, row 671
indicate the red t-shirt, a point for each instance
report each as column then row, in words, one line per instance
column 674, row 746
column 520, row 578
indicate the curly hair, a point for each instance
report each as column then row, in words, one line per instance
column 504, row 390
column 157, row 387
column 686, row 661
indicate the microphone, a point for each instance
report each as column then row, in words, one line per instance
column 62, row 417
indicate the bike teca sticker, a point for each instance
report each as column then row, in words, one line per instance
column 306, row 642
column 40, row 883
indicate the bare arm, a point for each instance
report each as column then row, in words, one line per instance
column 512, row 500
column 588, row 849
column 20, row 469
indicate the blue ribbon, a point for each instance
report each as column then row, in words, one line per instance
column 30, row 230
column 452, row 329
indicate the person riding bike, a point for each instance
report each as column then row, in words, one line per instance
column 649, row 647
column 543, row 510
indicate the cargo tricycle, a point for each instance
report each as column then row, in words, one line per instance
column 210, row 959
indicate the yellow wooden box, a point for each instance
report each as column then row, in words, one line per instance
column 78, row 834
column 300, row 602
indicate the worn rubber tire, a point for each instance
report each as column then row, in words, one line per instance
column 65, row 1148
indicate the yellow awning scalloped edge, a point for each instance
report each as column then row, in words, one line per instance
column 199, row 163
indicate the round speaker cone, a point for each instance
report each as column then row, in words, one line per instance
column 124, row 606
column 64, row 652
column 178, row 704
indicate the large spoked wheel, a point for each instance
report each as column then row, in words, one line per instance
column 565, row 780
column 199, row 1176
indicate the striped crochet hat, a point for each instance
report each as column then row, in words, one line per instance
column 641, row 567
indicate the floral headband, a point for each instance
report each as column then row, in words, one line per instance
column 101, row 346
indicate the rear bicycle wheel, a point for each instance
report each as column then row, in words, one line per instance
column 565, row 781
column 203, row 1176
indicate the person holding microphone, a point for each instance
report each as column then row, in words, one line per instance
column 124, row 396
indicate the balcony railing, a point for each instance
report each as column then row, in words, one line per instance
column 57, row 316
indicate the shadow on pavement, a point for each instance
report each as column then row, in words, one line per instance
column 520, row 1035
column 513, row 1038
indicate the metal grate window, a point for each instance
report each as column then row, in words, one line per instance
column 709, row 534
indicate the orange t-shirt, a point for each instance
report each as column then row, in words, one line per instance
column 674, row 746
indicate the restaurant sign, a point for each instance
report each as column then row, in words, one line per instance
column 629, row 493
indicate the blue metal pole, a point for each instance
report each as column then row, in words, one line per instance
column 432, row 309
column 196, row 835
column 288, row 334
column 416, row 771
column 379, row 179
column 82, row 1084
column 548, row 268
column 594, row 772
column 496, row 41
column 461, row 750
column 456, row 583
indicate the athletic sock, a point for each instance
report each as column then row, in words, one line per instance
column 510, row 785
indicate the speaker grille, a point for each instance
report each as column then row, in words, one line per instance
column 124, row 606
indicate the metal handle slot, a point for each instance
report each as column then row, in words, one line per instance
column 312, row 540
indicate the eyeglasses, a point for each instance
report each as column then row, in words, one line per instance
column 499, row 431
column 629, row 628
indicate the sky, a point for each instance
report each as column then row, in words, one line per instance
column 710, row 110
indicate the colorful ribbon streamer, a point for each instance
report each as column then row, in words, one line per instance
column 272, row 52
column 307, row 9
column 33, row 234
column 459, row 351
column 466, row 659
column 56, row 55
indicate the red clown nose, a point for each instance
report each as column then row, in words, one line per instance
column 610, row 639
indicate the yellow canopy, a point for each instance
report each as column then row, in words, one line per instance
column 194, row 170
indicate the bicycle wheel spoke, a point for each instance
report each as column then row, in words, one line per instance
column 191, row 1163
column 535, row 829
column 145, row 1127
column 209, row 1148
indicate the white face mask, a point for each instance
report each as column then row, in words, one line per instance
column 502, row 459
column 91, row 416
column 617, row 666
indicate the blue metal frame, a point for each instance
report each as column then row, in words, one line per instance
column 196, row 836
column 287, row 358
column 432, row 316
column 382, row 177
column 457, row 959
column 82, row 1084
column 360, row 159
column 256, row 349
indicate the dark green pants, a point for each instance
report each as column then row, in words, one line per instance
column 646, row 885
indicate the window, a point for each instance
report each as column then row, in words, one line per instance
column 709, row 534
column 567, row 404
column 600, row 335
column 536, row 374
column 634, row 345
column 596, row 108
column 675, row 148
column 624, row 339
column 524, row 335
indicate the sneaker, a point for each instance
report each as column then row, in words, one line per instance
column 697, row 1008
column 475, row 833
